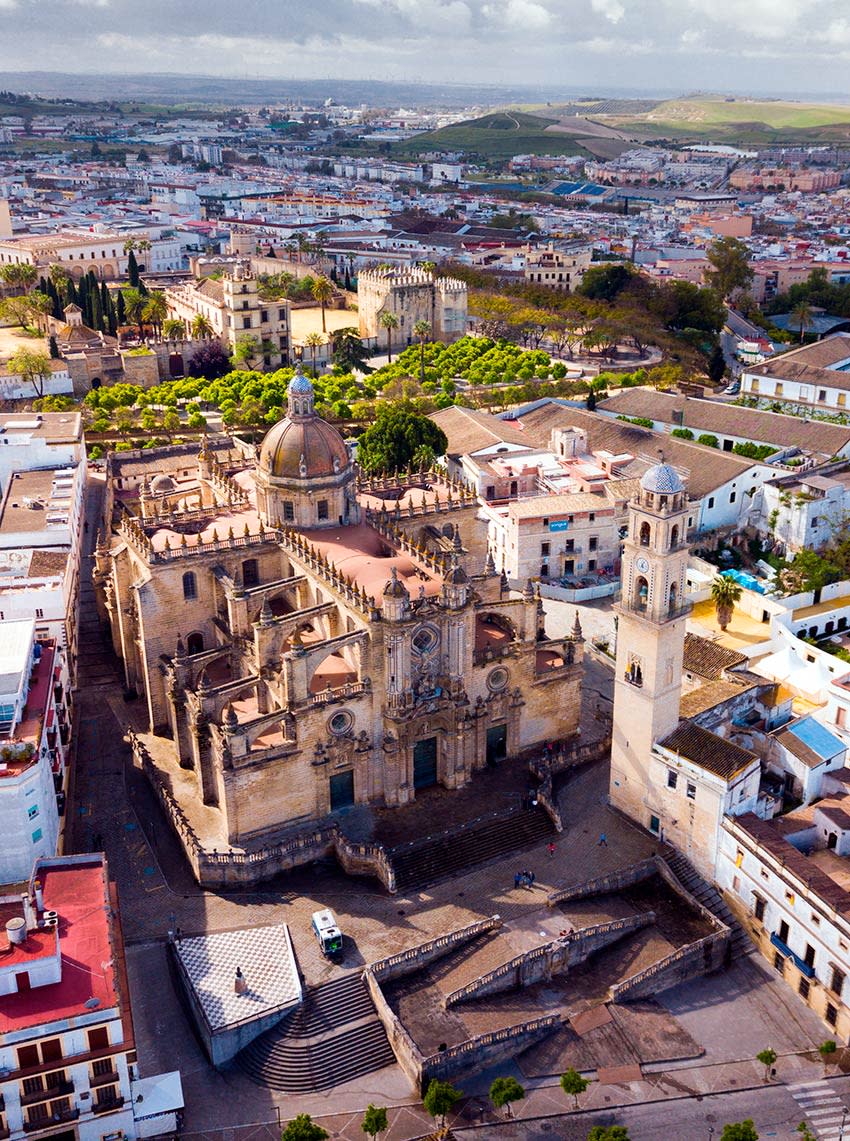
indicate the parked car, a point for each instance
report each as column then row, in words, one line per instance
column 732, row 389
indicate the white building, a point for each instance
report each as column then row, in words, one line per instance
column 68, row 1064
column 812, row 377
column 33, row 763
column 40, row 440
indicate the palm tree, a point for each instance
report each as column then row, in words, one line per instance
column 429, row 267
column 134, row 308
column 422, row 329
column 389, row 321
column 201, row 327
column 156, row 310
column 801, row 317
column 725, row 592
column 174, row 329
column 59, row 277
column 313, row 341
column 322, row 291
column 21, row 275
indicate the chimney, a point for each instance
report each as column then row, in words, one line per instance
column 239, row 984
column 16, row 931
column 29, row 914
column 39, row 894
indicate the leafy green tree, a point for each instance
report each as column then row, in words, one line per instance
column 608, row 1133
column 505, row 1090
column 826, row 1050
column 725, row 592
column 393, row 440
column 730, row 266
column 606, row 282
column 171, row 420
column 32, row 367
column 440, row 1099
column 808, row 571
column 573, row 1084
column 716, row 365
column 682, row 433
column 389, row 321
column 322, row 291
column 708, row 440
column 766, row 1057
column 304, row 1128
column 741, row 1130
column 247, row 349
column 156, row 309
column 209, row 360
column 805, row 1132
column 374, row 1121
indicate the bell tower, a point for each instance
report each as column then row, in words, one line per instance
column 650, row 634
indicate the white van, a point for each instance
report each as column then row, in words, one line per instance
column 327, row 933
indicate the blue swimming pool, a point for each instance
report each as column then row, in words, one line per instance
column 748, row 581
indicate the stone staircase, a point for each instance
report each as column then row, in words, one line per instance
column 709, row 897
column 456, row 851
column 333, row 1037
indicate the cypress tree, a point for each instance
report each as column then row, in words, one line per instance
column 348, row 281
column 71, row 293
column 133, row 270
column 104, row 297
column 120, row 309
column 84, row 301
column 96, row 310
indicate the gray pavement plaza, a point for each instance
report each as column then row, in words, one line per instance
column 732, row 1015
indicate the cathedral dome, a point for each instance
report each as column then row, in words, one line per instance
column 663, row 479
column 302, row 445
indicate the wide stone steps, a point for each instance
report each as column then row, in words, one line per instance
column 709, row 897
column 335, row 1036
column 456, row 852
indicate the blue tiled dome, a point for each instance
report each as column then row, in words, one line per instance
column 662, row 479
column 300, row 385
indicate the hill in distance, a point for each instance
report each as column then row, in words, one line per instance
column 497, row 135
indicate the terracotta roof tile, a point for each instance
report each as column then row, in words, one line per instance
column 710, row 752
column 709, row 659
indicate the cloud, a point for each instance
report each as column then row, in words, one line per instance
column 772, row 45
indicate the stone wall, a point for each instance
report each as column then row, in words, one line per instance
column 486, row 1050
column 700, row 958
column 414, row 959
column 602, row 885
column 555, row 958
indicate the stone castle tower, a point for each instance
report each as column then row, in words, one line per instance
column 650, row 635
column 411, row 295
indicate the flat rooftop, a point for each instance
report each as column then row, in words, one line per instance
column 266, row 959
column 37, row 501
column 16, row 640
column 362, row 554
column 742, row 633
column 54, row 427
column 77, row 888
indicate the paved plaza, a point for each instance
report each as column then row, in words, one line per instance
column 731, row 1015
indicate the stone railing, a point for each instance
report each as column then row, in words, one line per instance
column 487, row 1049
column 228, row 543
column 571, row 756
column 601, row 885
column 405, row 1049
column 556, row 957
column 218, row 869
column 691, row 961
column 341, row 693
column 405, row 962
column 293, row 542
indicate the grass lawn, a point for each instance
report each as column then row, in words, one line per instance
column 497, row 135
column 739, row 120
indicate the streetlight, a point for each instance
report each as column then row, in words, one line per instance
column 843, row 1123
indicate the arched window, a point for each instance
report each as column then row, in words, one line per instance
column 674, row 597
column 645, row 534
column 250, row 572
column 641, row 593
column 674, row 538
column 195, row 643
column 190, row 586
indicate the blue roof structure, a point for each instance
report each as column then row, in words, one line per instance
column 816, row 737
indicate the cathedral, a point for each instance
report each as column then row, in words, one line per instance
column 307, row 639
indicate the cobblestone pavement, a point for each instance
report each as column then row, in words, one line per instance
column 112, row 804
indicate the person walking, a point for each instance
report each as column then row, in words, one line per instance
column 603, row 840
column 550, row 848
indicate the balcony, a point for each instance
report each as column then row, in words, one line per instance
column 110, row 1105
column 51, row 1120
column 110, row 1078
column 61, row 1089
column 801, row 964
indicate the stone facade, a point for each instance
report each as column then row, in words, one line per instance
column 308, row 659
column 411, row 295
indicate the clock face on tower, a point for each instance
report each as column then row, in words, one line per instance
column 642, row 564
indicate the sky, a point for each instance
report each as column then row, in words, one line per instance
column 764, row 46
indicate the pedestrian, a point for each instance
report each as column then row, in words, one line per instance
column 550, row 848
column 602, row 840
column 517, row 879
column 531, row 878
